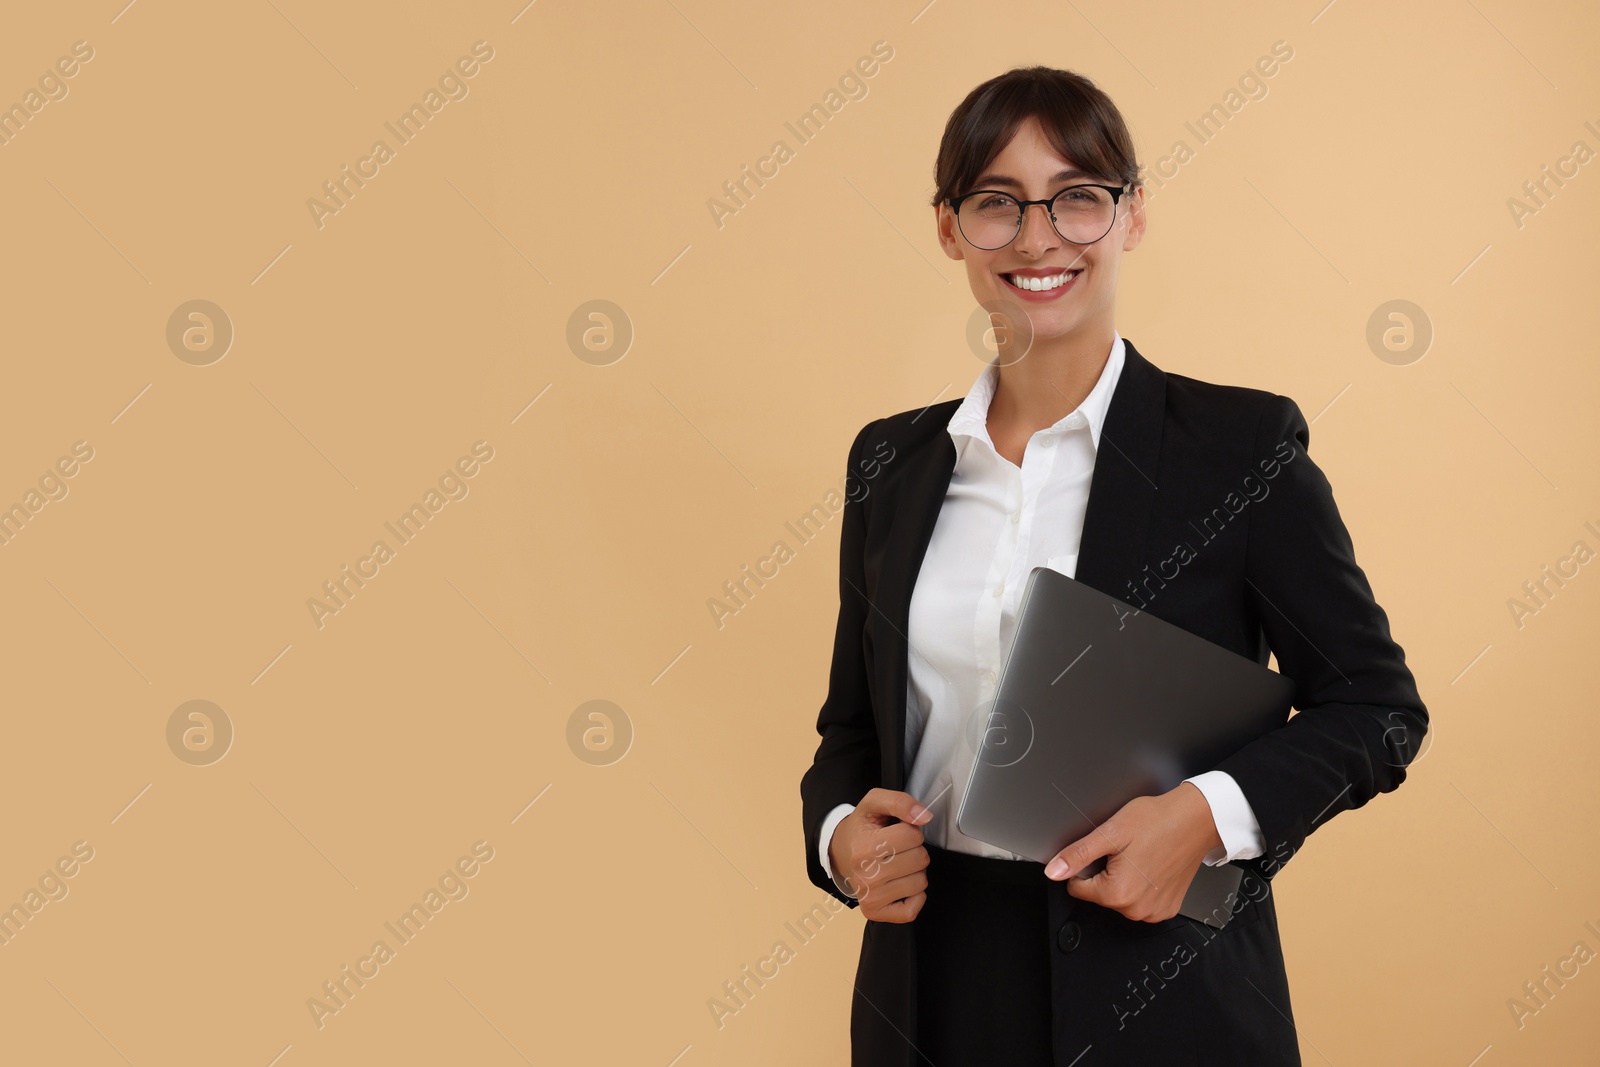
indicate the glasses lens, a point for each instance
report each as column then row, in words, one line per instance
column 1084, row 213
column 989, row 220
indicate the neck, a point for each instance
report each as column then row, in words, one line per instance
column 1055, row 377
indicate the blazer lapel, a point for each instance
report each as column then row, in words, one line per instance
column 1116, row 520
column 926, row 481
column 1122, row 490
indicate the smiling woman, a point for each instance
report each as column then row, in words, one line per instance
column 1074, row 451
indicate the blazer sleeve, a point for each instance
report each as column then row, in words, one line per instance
column 847, row 763
column 1359, row 719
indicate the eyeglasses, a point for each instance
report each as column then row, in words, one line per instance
column 1081, row 214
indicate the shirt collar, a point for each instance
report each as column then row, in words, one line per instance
column 971, row 419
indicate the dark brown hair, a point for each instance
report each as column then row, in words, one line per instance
column 1078, row 119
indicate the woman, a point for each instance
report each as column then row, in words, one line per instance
column 1193, row 500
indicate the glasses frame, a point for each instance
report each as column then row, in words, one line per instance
column 1116, row 192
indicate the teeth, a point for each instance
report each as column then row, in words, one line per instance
column 1040, row 284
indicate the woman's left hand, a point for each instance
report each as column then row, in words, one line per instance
column 1153, row 847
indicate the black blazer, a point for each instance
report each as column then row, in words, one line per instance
column 1205, row 510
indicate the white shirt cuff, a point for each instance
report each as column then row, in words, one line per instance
column 1230, row 811
column 829, row 825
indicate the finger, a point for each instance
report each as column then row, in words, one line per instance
column 897, row 837
column 1095, row 889
column 884, row 804
column 1110, row 888
column 898, row 891
column 897, row 849
column 900, row 888
column 886, row 882
column 902, row 864
column 1101, row 841
column 901, row 911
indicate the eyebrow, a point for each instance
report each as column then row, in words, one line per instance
column 992, row 180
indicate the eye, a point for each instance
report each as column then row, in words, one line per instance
column 990, row 201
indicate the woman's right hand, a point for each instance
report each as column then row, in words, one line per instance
column 881, row 859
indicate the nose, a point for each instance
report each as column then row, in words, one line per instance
column 1038, row 232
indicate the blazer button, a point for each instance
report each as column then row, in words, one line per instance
column 1070, row 936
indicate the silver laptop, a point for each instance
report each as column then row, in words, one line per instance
column 1098, row 703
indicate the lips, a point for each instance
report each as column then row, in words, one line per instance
column 1041, row 281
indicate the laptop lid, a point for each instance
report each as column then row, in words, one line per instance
column 1097, row 703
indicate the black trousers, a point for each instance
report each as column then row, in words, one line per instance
column 983, row 944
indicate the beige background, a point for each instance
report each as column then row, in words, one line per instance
column 433, row 710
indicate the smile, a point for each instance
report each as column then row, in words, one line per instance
column 1053, row 284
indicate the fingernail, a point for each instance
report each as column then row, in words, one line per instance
column 1057, row 868
column 920, row 814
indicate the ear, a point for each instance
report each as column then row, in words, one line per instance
column 944, row 222
column 1136, row 219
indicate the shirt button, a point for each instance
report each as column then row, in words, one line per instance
column 1075, row 420
column 1048, row 442
column 997, row 590
column 989, row 677
column 1016, row 517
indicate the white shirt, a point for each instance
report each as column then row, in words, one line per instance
column 996, row 524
